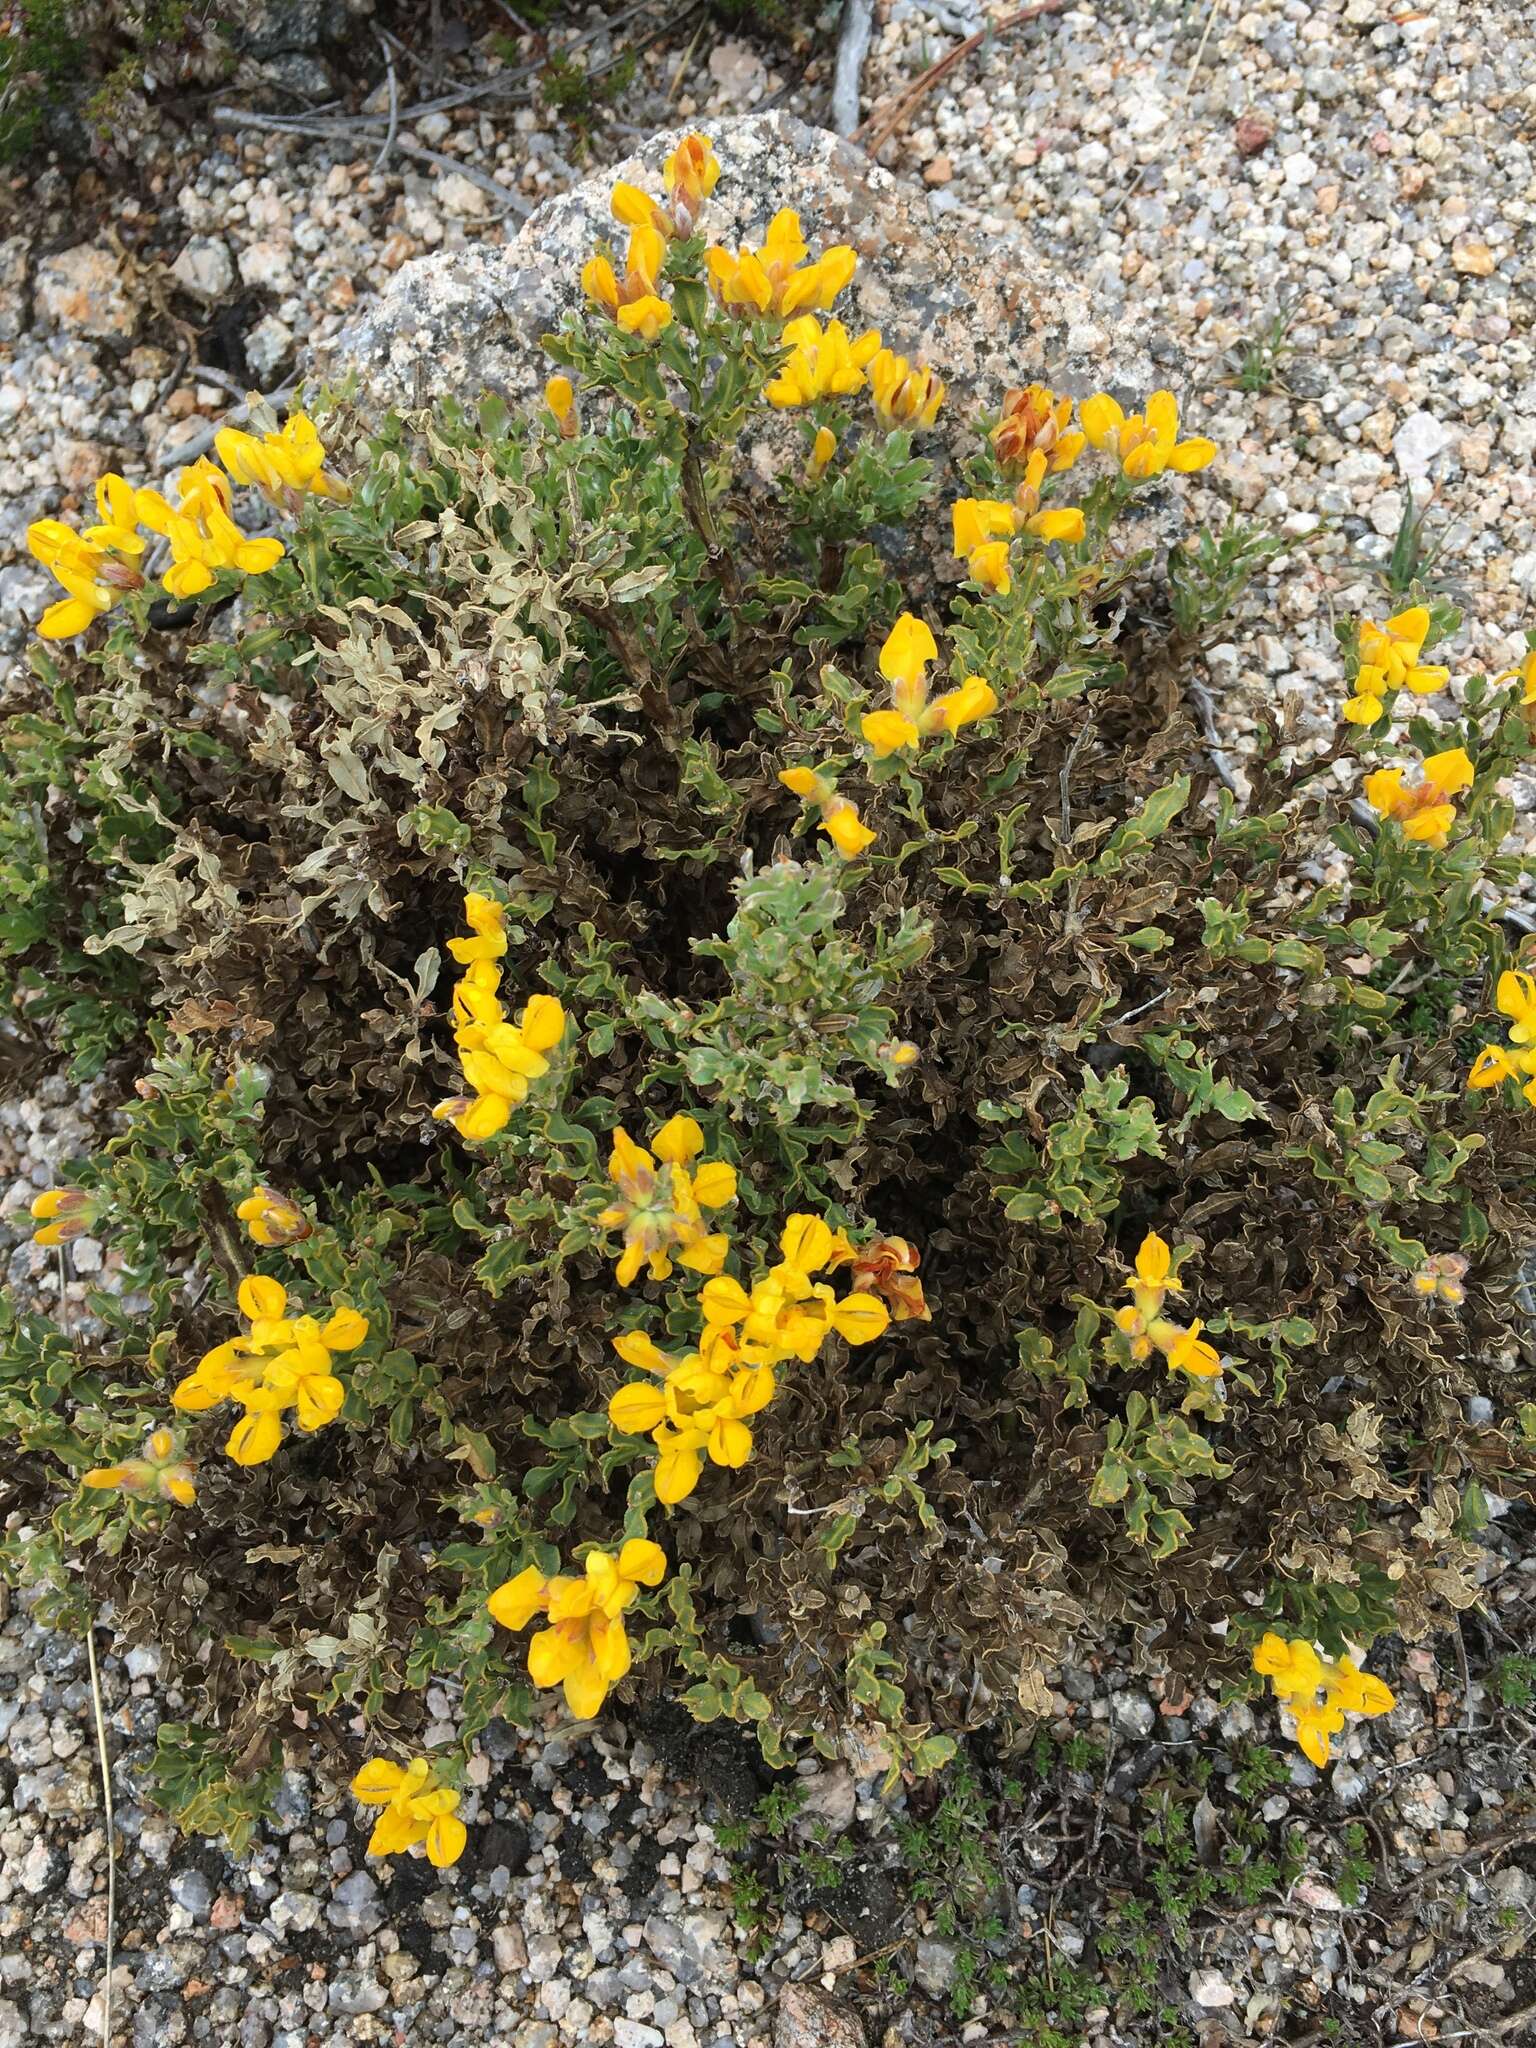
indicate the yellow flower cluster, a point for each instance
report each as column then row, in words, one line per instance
column 418, row 1809
column 203, row 536
column 285, row 467
column 1144, row 1324
column 983, row 528
column 1442, row 1277
column 633, row 300
column 822, row 362
column 908, row 649
column 498, row 1058
column 1516, row 1000
column 62, row 1214
column 160, row 1474
column 584, row 1648
column 1035, row 421
column 887, row 1266
column 699, row 1401
column 95, row 567
column 904, row 395
column 690, row 173
column 1389, row 662
column 662, row 1197
column 283, row 1362
column 1144, row 444
column 840, row 818
column 1319, row 1691
column 826, row 362
column 99, row 565
column 775, row 279
column 1425, row 808
column 272, row 1219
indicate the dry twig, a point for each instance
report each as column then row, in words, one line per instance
column 106, row 1795
column 875, row 134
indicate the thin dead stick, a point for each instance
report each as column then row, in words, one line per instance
column 1205, row 36
column 394, row 109
column 341, row 125
column 106, row 1795
column 875, row 134
column 514, row 202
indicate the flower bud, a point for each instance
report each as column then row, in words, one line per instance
column 272, row 1218
column 64, row 1213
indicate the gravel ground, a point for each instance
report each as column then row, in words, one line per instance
column 1362, row 167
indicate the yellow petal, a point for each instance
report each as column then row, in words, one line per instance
column 377, row 1781
column 887, row 732
column 552, row 1654
column 642, row 1562
column 517, row 1600
column 714, row 1184
column 542, row 1023
column 262, row 1297
column 254, row 1438
column 806, row 1243
column 678, row 1141
column 860, row 1318
column 1195, row 453
column 445, row 1840
column 1102, row 418
column 637, row 1409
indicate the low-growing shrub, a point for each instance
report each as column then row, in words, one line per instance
column 795, row 1132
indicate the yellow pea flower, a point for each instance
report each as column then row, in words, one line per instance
column 282, row 1362
column 847, row 831
column 1424, row 808
column 584, row 1649
column 96, row 568
column 419, row 1810
column 1319, row 1692
column 823, row 448
column 888, row 732
column 499, row 1059
column 904, row 657
column 1064, row 523
column 1144, row 444
column 560, row 397
column 203, row 536
column 662, row 1195
column 982, row 528
column 1369, row 699
column 823, row 362
column 633, row 301
column 775, row 280
column 904, row 396
column 1146, row 1327
column 1394, row 647
column 840, row 818
column 691, row 173
column 1515, row 998
column 285, row 466
column 974, row 699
